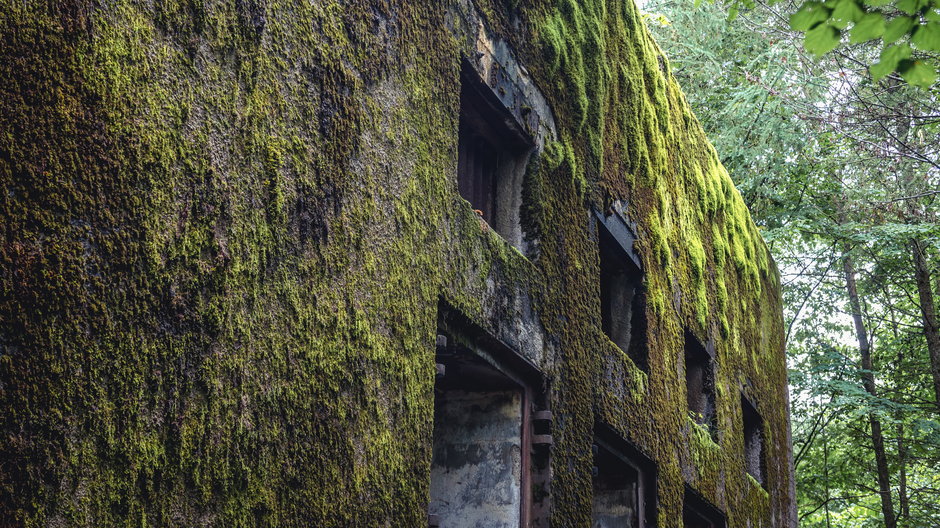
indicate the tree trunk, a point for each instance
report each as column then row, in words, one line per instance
column 902, row 475
column 868, row 380
column 826, row 477
column 929, row 311
column 903, row 499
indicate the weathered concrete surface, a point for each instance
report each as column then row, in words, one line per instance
column 229, row 226
column 615, row 508
column 476, row 460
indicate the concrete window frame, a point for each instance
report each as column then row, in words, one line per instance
column 614, row 456
column 493, row 153
column 699, row 513
column 622, row 288
column 700, row 375
column 753, row 431
column 470, row 359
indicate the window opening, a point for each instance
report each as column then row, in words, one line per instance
column 624, row 486
column 623, row 296
column 698, row 513
column 753, row 441
column 700, row 382
column 492, row 154
column 487, row 439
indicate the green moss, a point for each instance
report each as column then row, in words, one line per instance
column 692, row 221
column 705, row 452
column 756, row 485
column 231, row 224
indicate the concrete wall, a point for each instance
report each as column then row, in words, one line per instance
column 615, row 507
column 476, row 462
column 228, row 227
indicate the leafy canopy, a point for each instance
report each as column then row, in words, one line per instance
column 907, row 31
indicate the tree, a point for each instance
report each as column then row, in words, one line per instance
column 841, row 171
column 868, row 381
column 903, row 34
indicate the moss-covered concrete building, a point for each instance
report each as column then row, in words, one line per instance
column 374, row 263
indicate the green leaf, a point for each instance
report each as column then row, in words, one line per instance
column 846, row 11
column 810, row 15
column 890, row 57
column 821, row 39
column 877, row 3
column 933, row 15
column 870, row 26
column 927, row 37
column 910, row 6
column 897, row 28
column 880, row 70
column 918, row 73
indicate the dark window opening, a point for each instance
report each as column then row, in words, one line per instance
column 698, row 513
column 486, row 438
column 624, row 487
column 623, row 296
column 492, row 153
column 477, row 160
column 700, row 382
column 753, row 441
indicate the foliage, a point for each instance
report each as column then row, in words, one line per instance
column 906, row 32
column 833, row 164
